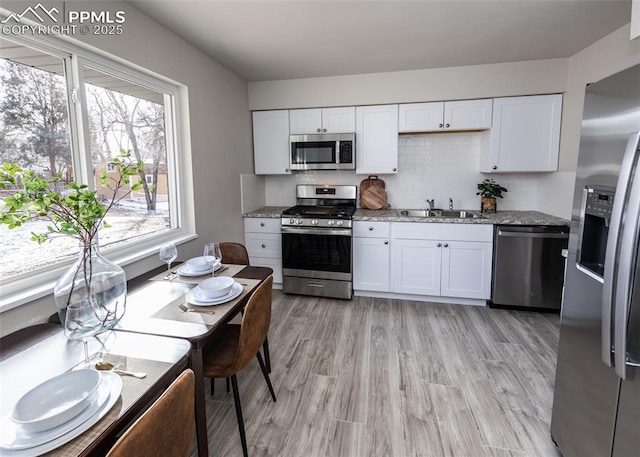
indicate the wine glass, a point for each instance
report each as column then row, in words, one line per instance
column 212, row 254
column 82, row 321
column 168, row 253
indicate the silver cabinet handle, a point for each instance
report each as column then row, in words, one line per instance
column 287, row 170
column 440, row 125
column 613, row 249
column 319, row 130
column 446, row 245
column 394, row 169
column 439, row 245
column 324, row 130
column 494, row 167
column 261, row 224
column 370, row 228
column 624, row 277
column 386, row 241
column 448, row 125
column 263, row 245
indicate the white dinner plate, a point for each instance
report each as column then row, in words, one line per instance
column 184, row 270
column 57, row 400
column 196, row 299
column 15, row 441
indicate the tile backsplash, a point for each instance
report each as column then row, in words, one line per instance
column 442, row 166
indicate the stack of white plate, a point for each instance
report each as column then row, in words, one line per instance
column 58, row 410
column 198, row 266
column 214, row 291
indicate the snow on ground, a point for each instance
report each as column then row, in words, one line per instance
column 19, row 254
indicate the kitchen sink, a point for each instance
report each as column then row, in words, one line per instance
column 418, row 213
column 461, row 214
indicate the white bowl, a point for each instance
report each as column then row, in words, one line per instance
column 216, row 287
column 56, row 401
column 200, row 263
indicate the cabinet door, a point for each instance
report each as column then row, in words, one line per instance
column 468, row 114
column 466, row 269
column 304, row 121
column 416, row 267
column 420, row 117
column 371, row 264
column 339, row 120
column 271, row 142
column 525, row 134
column 263, row 245
column 377, row 139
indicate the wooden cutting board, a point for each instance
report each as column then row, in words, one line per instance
column 373, row 194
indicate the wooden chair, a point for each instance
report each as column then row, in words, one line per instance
column 238, row 345
column 168, row 427
column 236, row 253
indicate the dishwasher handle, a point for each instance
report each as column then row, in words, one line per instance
column 519, row 234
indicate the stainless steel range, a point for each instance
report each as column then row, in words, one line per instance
column 316, row 241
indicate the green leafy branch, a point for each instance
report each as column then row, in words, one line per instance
column 77, row 212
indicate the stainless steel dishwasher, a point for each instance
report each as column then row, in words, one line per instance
column 528, row 267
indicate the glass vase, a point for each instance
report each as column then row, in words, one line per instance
column 94, row 278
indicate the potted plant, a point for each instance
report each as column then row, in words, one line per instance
column 75, row 212
column 489, row 190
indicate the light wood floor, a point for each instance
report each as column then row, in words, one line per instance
column 378, row 377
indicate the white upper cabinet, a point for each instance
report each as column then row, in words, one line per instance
column 322, row 120
column 271, row 142
column 525, row 135
column 445, row 116
column 377, row 139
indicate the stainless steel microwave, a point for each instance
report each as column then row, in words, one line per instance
column 323, row 152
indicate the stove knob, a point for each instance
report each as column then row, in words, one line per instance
column 292, row 221
column 339, row 222
column 330, row 222
column 314, row 222
column 299, row 221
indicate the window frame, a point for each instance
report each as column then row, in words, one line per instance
column 76, row 56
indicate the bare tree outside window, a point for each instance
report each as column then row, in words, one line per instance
column 35, row 134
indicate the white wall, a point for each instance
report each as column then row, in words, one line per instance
column 220, row 133
column 455, row 83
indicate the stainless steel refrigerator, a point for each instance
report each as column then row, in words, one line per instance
column 596, row 406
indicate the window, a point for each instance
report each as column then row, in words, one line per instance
column 68, row 112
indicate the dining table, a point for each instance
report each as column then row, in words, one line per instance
column 161, row 307
column 36, row 354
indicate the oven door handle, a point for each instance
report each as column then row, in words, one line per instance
column 315, row 231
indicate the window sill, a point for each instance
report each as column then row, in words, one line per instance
column 135, row 261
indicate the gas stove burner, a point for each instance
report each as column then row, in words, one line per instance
column 321, row 212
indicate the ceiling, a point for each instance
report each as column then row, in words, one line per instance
column 270, row 40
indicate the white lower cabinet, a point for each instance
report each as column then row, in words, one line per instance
column 263, row 241
column 371, row 256
column 447, row 260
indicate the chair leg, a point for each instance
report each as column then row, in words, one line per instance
column 213, row 385
column 227, row 378
column 236, row 400
column 266, row 375
column 267, row 359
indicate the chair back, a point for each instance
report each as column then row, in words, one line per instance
column 167, row 428
column 234, row 253
column 255, row 325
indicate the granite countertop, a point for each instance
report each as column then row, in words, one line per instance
column 393, row 215
column 501, row 217
column 274, row 212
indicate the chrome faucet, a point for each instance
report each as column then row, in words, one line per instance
column 431, row 204
column 451, row 204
